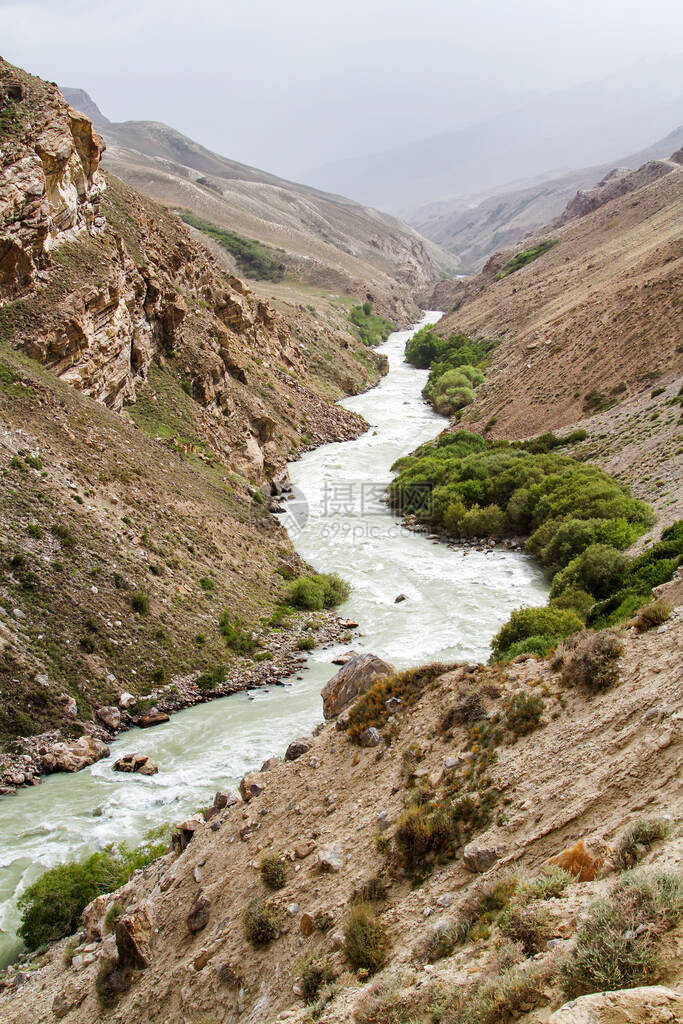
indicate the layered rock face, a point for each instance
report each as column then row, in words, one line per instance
column 50, row 184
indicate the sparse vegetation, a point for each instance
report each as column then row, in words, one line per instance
column 51, row 907
column 371, row 708
column 591, row 660
column 637, row 840
column 521, row 259
column 500, row 998
column 314, row 975
column 654, row 614
column 273, row 872
column 365, row 940
column 236, row 638
column 526, row 923
column 618, row 946
column 260, row 923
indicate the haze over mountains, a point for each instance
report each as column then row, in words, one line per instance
column 325, row 241
column 577, row 127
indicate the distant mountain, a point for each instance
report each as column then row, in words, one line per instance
column 325, row 241
column 79, row 99
column 579, row 127
column 473, row 227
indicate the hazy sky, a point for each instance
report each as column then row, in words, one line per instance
column 291, row 84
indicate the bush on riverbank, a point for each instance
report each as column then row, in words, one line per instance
column 322, row 590
column 577, row 519
column 372, row 329
column 454, row 366
column 51, row 907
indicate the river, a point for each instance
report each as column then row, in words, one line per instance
column 454, row 602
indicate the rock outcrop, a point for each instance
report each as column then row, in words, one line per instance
column 355, row 678
column 653, row 1004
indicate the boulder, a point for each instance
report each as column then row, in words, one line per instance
column 126, row 700
column 584, row 859
column 136, row 763
column 110, row 716
column 153, row 717
column 330, row 857
column 68, row 999
column 354, row 679
column 93, row 917
column 270, row 763
column 298, row 747
column 478, row 857
column 650, row 1004
column 184, row 832
column 74, row 755
column 249, row 788
column 370, row 737
column 198, row 916
column 134, row 934
column 306, row 924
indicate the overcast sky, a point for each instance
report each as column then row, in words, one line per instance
column 289, row 84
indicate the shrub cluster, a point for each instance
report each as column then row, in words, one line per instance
column 313, row 593
column 51, row 907
column 521, row 259
column 454, row 367
column 577, row 519
column 314, row 975
column 372, row 329
column 237, row 639
column 637, row 840
column 371, row 708
column 618, row 945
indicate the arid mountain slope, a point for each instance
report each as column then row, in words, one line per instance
column 148, row 399
column 473, row 227
column 326, row 241
column 588, row 768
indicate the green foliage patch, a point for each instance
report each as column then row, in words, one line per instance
column 253, row 259
column 372, row 328
column 521, row 259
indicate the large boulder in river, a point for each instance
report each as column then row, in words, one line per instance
column 136, row 763
column 355, row 678
column 73, row 755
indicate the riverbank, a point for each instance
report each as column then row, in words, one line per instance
column 44, row 754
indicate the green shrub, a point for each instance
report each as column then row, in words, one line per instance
column 371, row 707
column 140, row 603
column 305, row 643
column 591, row 659
column 618, row 945
column 557, row 623
column 51, row 907
column 212, row 678
column 113, row 914
column 372, row 329
column 521, row 259
column 207, row 584
column 483, row 904
column 237, row 639
column 260, row 923
column 637, row 840
column 365, row 941
column 313, row 593
column 273, row 872
column 441, row 941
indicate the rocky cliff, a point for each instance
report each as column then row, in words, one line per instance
column 149, row 404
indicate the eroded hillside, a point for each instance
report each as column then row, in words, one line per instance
column 417, row 852
column 149, row 400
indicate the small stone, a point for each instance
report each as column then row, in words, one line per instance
column 198, row 916
column 270, row 763
column 400, row 598
column 445, row 900
column 370, row 737
column 330, row 858
column 250, row 788
column 292, row 909
column 304, row 849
